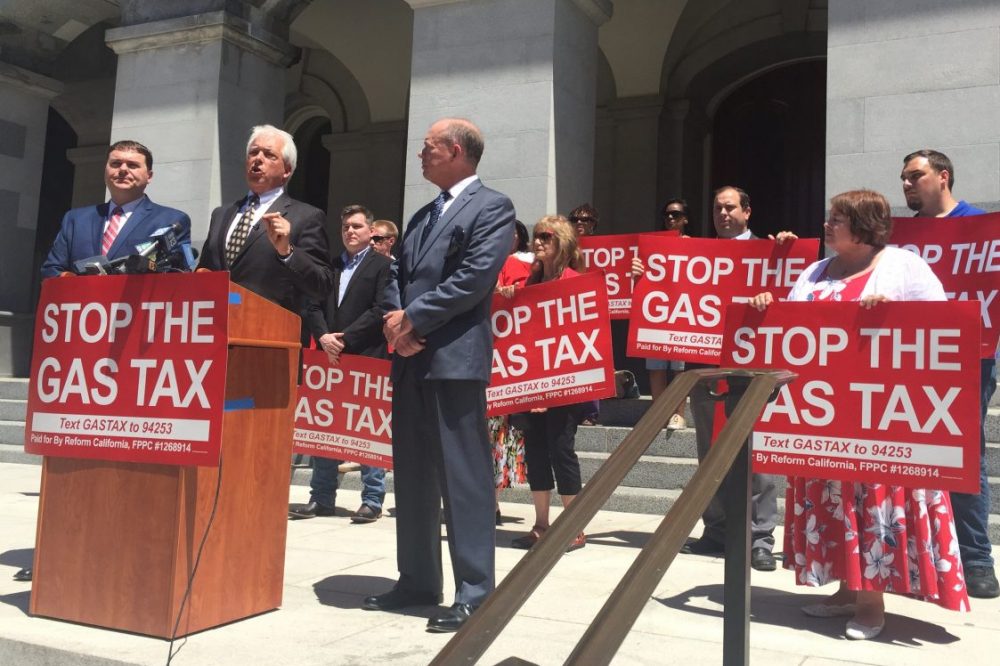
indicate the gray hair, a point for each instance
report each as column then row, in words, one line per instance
column 288, row 152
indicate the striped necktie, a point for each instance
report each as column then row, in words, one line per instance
column 239, row 236
column 435, row 215
column 111, row 233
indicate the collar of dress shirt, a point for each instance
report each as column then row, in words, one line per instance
column 349, row 261
column 746, row 235
column 457, row 189
column 127, row 209
column 266, row 199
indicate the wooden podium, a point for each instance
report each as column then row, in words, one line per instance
column 116, row 542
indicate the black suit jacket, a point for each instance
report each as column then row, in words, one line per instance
column 359, row 316
column 306, row 274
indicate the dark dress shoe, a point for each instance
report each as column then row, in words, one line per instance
column 310, row 510
column 23, row 575
column 703, row 546
column 396, row 598
column 761, row 559
column 450, row 620
column 366, row 514
column 980, row 582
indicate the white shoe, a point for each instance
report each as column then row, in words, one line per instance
column 826, row 610
column 862, row 632
column 676, row 422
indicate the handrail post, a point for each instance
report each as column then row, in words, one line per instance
column 736, row 585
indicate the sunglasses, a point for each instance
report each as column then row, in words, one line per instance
column 544, row 236
column 674, row 214
column 581, row 220
column 379, row 239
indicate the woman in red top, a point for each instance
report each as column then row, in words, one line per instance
column 550, row 433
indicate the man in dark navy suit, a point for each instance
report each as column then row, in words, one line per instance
column 114, row 228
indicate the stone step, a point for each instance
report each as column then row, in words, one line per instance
column 13, row 388
column 625, row 498
column 14, row 453
column 13, row 410
column 12, row 432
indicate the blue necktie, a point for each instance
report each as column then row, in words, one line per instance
column 435, row 216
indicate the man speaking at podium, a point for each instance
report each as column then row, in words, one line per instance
column 113, row 229
column 270, row 243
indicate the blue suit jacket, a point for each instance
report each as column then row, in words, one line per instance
column 446, row 286
column 83, row 228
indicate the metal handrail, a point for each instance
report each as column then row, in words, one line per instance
column 483, row 627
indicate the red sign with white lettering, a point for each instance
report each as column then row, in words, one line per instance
column 344, row 412
column 613, row 256
column 130, row 368
column 964, row 253
column 551, row 346
column 681, row 299
column 886, row 395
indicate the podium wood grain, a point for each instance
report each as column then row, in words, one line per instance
column 116, row 542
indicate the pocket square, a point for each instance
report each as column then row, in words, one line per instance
column 456, row 242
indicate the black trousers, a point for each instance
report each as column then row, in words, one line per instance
column 549, row 439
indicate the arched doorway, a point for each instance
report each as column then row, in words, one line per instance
column 769, row 137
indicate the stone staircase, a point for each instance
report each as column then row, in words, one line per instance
column 651, row 487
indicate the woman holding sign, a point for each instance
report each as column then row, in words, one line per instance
column 872, row 537
column 550, row 433
column 507, row 440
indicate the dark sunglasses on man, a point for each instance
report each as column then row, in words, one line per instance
column 379, row 239
column 673, row 214
column 581, row 219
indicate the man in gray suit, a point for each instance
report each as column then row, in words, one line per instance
column 441, row 286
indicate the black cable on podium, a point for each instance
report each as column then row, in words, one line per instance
column 194, row 569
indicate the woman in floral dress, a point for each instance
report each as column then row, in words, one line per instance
column 508, row 441
column 872, row 537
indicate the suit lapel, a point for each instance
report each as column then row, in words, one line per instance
column 130, row 234
column 439, row 228
column 98, row 216
column 360, row 270
column 279, row 205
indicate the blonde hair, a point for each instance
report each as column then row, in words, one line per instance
column 567, row 250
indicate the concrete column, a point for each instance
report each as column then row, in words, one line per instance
column 88, row 174
column 671, row 142
column 365, row 168
column 525, row 72
column 886, row 98
column 23, row 120
column 636, row 127
column 190, row 88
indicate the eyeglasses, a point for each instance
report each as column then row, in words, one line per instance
column 581, row 220
column 674, row 214
column 544, row 236
column 379, row 239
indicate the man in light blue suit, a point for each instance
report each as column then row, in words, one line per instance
column 441, row 287
column 114, row 228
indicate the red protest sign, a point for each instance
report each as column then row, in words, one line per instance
column 964, row 253
column 551, row 346
column 681, row 299
column 613, row 256
column 130, row 368
column 344, row 412
column 886, row 395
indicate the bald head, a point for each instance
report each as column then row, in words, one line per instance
column 451, row 152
